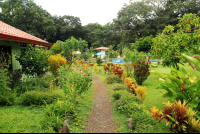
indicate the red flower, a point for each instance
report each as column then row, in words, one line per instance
column 62, row 62
column 5, row 67
column 7, row 53
column 15, row 73
column 86, row 82
column 2, row 52
column 71, row 84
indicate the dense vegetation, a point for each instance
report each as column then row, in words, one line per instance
column 134, row 21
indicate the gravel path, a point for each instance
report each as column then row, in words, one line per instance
column 100, row 119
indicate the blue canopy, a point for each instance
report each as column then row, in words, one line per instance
column 100, row 53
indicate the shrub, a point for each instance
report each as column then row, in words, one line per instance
column 110, row 64
column 6, row 94
column 132, row 86
column 55, row 61
column 74, row 82
column 7, row 98
column 33, row 61
column 113, row 79
column 31, row 84
column 141, row 92
column 62, row 109
column 39, row 97
column 119, row 86
column 52, row 123
column 141, row 71
column 125, row 99
column 99, row 61
column 117, row 70
column 116, row 95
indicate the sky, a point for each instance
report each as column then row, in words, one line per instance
column 89, row 11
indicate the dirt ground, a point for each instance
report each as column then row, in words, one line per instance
column 100, row 119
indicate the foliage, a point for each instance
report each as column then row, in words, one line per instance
column 144, row 44
column 33, row 61
column 55, row 61
column 134, row 56
column 69, row 46
column 74, row 82
column 99, row 61
column 112, row 53
column 171, row 43
column 117, row 70
column 39, row 97
column 51, row 123
column 132, row 86
column 7, row 96
column 112, row 79
column 119, row 86
column 141, row 92
column 128, row 68
column 141, row 71
column 105, row 67
column 182, row 84
column 30, row 84
column 180, row 118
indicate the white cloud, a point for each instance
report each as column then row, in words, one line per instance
column 89, row 11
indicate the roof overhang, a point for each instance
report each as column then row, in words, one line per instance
column 24, row 40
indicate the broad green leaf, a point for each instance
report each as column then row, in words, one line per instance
column 192, row 60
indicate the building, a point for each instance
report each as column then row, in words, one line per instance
column 13, row 40
column 101, row 51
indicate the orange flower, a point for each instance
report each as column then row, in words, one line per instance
column 58, row 69
column 86, row 82
column 71, row 84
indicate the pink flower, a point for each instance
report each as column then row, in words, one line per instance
column 7, row 53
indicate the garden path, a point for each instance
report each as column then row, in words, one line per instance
column 100, row 119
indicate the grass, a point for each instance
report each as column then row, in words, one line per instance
column 20, row 119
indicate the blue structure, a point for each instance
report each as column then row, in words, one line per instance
column 118, row 60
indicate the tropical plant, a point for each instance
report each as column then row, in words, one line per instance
column 33, row 61
column 183, row 84
column 55, row 61
column 141, row 71
column 180, row 118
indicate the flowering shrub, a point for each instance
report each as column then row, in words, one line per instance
column 74, row 82
column 55, row 61
column 33, row 61
column 141, row 71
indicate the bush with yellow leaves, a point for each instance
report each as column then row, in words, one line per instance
column 141, row 92
column 55, row 61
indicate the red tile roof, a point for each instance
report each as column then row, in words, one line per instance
column 101, row 48
column 8, row 32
